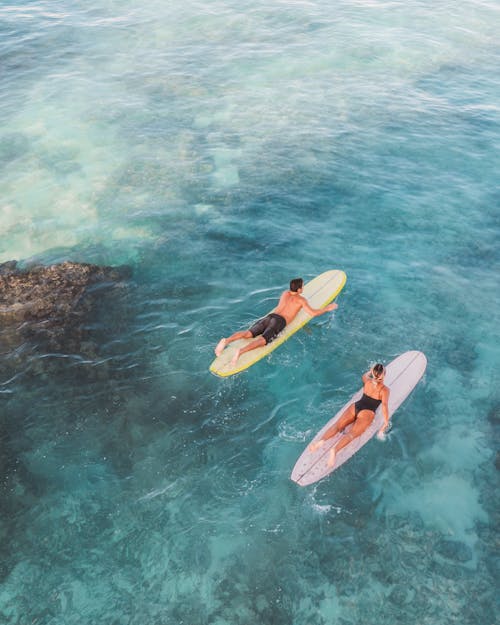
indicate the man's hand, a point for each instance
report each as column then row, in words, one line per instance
column 331, row 307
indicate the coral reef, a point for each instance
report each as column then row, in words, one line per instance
column 46, row 309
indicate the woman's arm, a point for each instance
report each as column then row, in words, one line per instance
column 385, row 409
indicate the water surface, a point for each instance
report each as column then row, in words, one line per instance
column 221, row 148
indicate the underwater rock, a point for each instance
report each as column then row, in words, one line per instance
column 53, row 293
column 46, row 307
column 454, row 550
column 399, row 595
column 494, row 415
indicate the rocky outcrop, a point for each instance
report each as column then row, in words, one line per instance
column 53, row 294
column 46, row 307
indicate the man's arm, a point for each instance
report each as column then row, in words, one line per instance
column 316, row 312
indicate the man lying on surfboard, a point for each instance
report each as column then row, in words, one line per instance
column 360, row 414
column 268, row 328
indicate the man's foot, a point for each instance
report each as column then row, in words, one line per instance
column 235, row 357
column 331, row 457
column 220, row 347
column 316, row 445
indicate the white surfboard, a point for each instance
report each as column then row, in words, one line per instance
column 319, row 292
column 402, row 375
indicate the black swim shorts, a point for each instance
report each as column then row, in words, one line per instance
column 269, row 327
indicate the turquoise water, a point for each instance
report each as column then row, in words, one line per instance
column 221, row 148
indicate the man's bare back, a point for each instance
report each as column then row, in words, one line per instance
column 289, row 305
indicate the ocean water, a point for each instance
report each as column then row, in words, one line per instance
column 220, row 148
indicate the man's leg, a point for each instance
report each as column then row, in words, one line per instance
column 244, row 334
column 365, row 417
column 259, row 342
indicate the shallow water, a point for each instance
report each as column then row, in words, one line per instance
column 220, row 149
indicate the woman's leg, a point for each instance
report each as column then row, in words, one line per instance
column 363, row 421
column 347, row 417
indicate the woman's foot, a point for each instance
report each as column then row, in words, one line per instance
column 316, row 445
column 331, row 457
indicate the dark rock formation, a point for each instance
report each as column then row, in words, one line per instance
column 53, row 293
column 454, row 550
column 494, row 415
column 45, row 307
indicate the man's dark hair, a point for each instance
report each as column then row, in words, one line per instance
column 296, row 284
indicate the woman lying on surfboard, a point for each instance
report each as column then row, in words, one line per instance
column 267, row 329
column 360, row 414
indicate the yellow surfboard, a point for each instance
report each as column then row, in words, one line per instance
column 319, row 292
